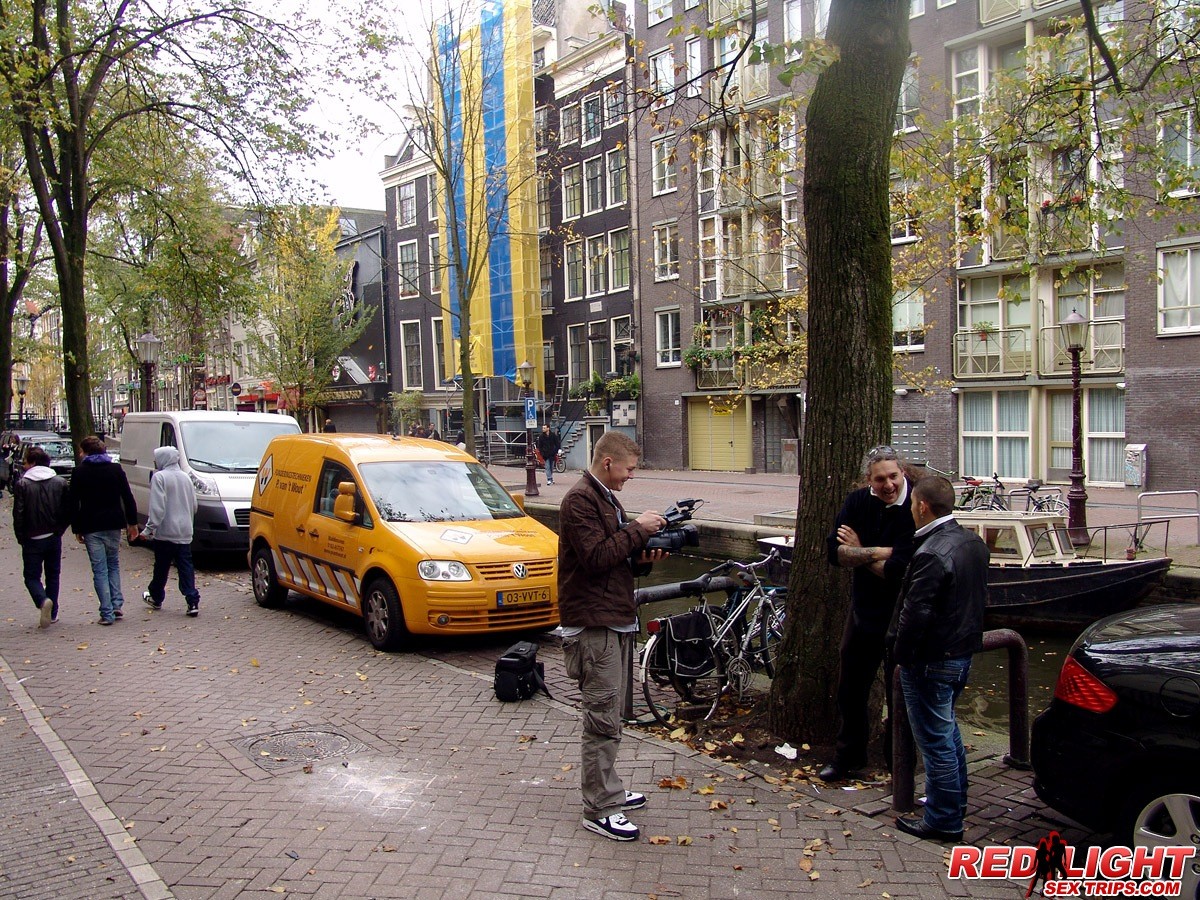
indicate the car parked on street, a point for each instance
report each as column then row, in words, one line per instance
column 60, row 450
column 10, row 442
column 1119, row 748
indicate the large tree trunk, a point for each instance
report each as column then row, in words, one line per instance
column 849, row 136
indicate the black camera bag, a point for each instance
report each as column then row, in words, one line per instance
column 519, row 675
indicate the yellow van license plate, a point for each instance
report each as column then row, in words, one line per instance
column 518, row 598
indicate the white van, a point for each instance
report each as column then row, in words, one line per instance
column 220, row 451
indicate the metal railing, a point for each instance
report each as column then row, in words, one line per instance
column 996, row 353
column 1105, row 350
column 1195, row 495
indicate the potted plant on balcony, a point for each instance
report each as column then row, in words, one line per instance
column 985, row 330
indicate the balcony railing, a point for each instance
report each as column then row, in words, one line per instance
column 1001, row 353
column 994, row 10
column 758, row 274
column 748, row 83
column 1104, row 352
column 737, row 373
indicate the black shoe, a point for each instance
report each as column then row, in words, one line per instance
column 918, row 828
column 150, row 601
column 193, row 609
column 836, row 772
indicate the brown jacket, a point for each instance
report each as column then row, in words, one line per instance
column 595, row 582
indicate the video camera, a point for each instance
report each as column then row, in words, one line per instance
column 676, row 535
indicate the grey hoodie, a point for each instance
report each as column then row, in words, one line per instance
column 172, row 500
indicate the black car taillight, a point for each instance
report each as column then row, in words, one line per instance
column 1079, row 687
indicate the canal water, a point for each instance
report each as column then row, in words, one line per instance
column 983, row 708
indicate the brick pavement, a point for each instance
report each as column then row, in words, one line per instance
column 196, row 736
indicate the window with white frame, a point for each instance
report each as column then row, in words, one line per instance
column 599, row 348
column 667, row 338
column 541, row 127
column 821, row 17
column 999, row 301
column 1179, row 290
column 908, row 320
column 409, row 268
column 1177, row 133
column 1098, row 294
column 568, row 124
column 406, row 203
column 444, row 383
column 572, row 191
column 1102, row 414
column 543, row 202
column 597, row 265
column 593, row 118
column 1175, row 23
column 902, row 204
column 692, row 68
column 619, row 259
column 662, row 75
column 995, row 433
column 548, row 355
column 662, row 157
column 614, row 105
column 573, row 269
column 577, row 354
column 431, row 197
column 622, row 344
column 710, row 259
column 618, row 176
column 435, row 265
column 666, row 251
column 593, row 185
column 967, row 83
column 546, row 274
column 916, row 8
column 658, row 11
column 942, row 4
column 793, row 27
column 410, row 347
column 910, row 99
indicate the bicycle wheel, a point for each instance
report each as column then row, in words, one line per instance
column 1050, row 505
column 770, row 629
column 560, row 464
column 656, row 686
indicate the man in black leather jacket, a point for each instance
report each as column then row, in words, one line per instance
column 40, row 516
column 937, row 627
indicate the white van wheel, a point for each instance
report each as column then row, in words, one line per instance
column 382, row 615
column 268, row 592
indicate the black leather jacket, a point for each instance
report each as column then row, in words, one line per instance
column 940, row 613
column 39, row 507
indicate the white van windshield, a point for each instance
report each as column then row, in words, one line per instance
column 230, row 446
column 437, row 492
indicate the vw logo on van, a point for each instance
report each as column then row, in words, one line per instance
column 519, row 570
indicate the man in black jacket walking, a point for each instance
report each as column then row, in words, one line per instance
column 102, row 507
column 937, row 627
column 39, row 519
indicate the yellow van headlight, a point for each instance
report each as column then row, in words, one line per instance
column 443, row 570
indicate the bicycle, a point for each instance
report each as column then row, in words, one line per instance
column 1049, row 502
column 709, row 651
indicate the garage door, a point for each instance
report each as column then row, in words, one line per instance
column 719, row 438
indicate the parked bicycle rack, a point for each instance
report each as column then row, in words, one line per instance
column 904, row 759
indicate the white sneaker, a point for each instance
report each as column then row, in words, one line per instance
column 615, row 827
column 634, row 800
column 45, row 613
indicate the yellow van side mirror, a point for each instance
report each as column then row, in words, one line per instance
column 345, row 505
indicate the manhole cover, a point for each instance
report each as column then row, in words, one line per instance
column 285, row 749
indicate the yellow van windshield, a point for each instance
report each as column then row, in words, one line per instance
column 436, row 491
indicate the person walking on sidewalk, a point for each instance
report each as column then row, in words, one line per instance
column 937, row 627
column 873, row 536
column 169, row 530
column 548, row 445
column 599, row 621
column 40, row 516
column 102, row 507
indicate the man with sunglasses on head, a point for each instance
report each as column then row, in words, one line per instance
column 873, row 535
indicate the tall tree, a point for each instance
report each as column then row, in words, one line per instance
column 850, row 121
column 20, row 240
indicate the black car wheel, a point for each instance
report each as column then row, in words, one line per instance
column 382, row 615
column 268, row 592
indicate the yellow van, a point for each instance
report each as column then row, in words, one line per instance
column 415, row 536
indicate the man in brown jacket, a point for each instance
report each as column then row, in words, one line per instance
column 597, row 543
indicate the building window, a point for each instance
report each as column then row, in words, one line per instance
column 1179, row 291
column 666, row 252
column 821, row 17
column 546, row 269
column 543, row 202
column 666, row 325
column 903, row 210
column 597, row 265
column 1097, row 294
column 995, row 433
column 693, row 67
column 910, row 99
column 548, row 356
column 539, row 58
column 593, row 185
column 1105, row 429
column 410, row 269
column 541, row 127
column 406, row 210
column 568, row 124
column 599, row 347
column 658, row 11
column 622, row 344
column 614, row 105
column 662, row 74
column 710, row 262
column 966, row 82
column 916, row 8
column 577, row 358
column 618, row 252
column 410, row 342
column 1181, row 148
column 572, row 188
column 592, row 119
column 908, row 320
column 439, row 357
column 435, row 265
column 573, row 267
column 662, row 154
column 617, row 177
column 431, row 195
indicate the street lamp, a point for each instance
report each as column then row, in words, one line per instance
column 1074, row 329
column 147, row 351
column 22, row 383
column 525, row 374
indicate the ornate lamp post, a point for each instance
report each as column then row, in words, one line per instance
column 1074, row 329
column 525, row 374
column 22, row 383
column 148, row 347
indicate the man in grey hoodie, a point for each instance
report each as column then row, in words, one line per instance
column 169, row 529
column 40, row 516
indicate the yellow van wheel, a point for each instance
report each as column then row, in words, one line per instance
column 383, row 616
column 268, row 592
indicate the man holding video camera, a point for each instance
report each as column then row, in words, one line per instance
column 598, row 545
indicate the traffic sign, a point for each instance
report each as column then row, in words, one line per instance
column 531, row 412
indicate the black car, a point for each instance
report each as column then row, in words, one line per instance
column 60, row 450
column 1119, row 748
column 10, row 450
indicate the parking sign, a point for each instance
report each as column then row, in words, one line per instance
column 531, row 412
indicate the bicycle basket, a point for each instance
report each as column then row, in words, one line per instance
column 688, row 644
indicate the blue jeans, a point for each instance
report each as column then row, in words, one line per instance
column 930, row 692
column 166, row 553
column 104, row 551
column 549, row 469
column 42, row 555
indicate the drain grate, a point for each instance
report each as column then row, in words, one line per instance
column 286, row 749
